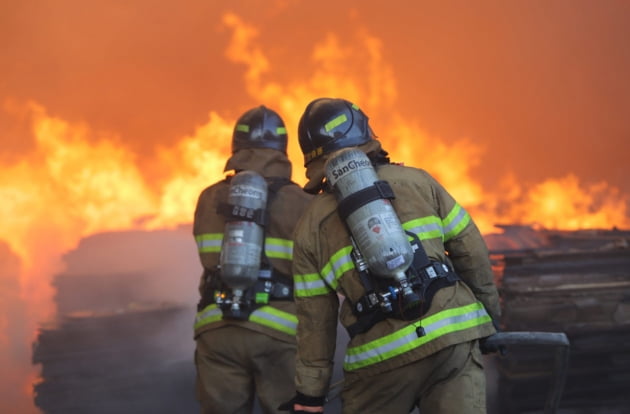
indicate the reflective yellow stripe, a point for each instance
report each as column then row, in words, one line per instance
column 209, row 242
column 406, row 339
column 310, row 285
column 266, row 316
column 429, row 227
column 455, row 222
column 314, row 284
column 279, row 248
column 339, row 263
column 209, row 314
column 335, row 122
column 275, row 319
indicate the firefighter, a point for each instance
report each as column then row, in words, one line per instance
column 246, row 323
column 415, row 316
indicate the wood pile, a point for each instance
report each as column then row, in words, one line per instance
column 122, row 341
column 120, row 362
column 577, row 283
column 108, row 354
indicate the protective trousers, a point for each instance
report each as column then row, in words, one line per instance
column 234, row 365
column 451, row 381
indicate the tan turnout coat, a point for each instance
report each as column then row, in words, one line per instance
column 323, row 276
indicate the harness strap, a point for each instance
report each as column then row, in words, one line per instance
column 430, row 279
column 379, row 190
column 270, row 286
column 274, row 184
column 235, row 212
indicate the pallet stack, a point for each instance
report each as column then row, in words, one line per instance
column 124, row 362
column 577, row 283
column 122, row 341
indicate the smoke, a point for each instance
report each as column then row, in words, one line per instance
column 122, row 340
column 15, row 357
column 160, row 266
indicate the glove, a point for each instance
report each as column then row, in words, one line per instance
column 492, row 348
column 304, row 401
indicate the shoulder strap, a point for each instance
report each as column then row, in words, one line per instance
column 274, row 184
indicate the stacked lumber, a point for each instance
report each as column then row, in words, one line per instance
column 122, row 341
column 122, row 362
column 577, row 283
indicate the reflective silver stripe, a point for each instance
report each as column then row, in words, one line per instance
column 279, row 248
column 275, row 319
column 406, row 339
column 339, row 263
column 209, row 243
column 210, row 314
column 455, row 222
column 303, row 287
column 427, row 230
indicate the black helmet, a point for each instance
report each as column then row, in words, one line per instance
column 330, row 124
column 260, row 128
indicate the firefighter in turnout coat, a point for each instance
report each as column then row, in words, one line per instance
column 423, row 350
column 245, row 344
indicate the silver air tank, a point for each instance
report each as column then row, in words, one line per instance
column 243, row 239
column 375, row 227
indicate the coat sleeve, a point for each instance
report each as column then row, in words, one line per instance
column 317, row 306
column 467, row 250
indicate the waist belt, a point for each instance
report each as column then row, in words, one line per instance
column 386, row 302
column 268, row 287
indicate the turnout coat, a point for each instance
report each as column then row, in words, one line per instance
column 324, row 275
column 277, row 318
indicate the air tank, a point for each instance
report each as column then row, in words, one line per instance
column 243, row 239
column 375, row 227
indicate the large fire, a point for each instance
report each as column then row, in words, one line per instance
column 79, row 181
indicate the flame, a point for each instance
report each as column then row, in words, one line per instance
column 566, row 203
column 78, row 181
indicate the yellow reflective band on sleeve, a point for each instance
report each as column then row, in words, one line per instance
column 355, row 107
column 209, row 242
column 429, row 227
column 209, row 314
column 309, row 285
column 314, row 284
column 279, row 248
column 406, row 339
column 281, row 131
column 335, row 122
column 242, row 128
column 275, row 319
column 339, row 263
column 455, row 222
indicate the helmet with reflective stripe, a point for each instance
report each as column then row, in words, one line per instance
column 330, row 124
column 260, row 128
